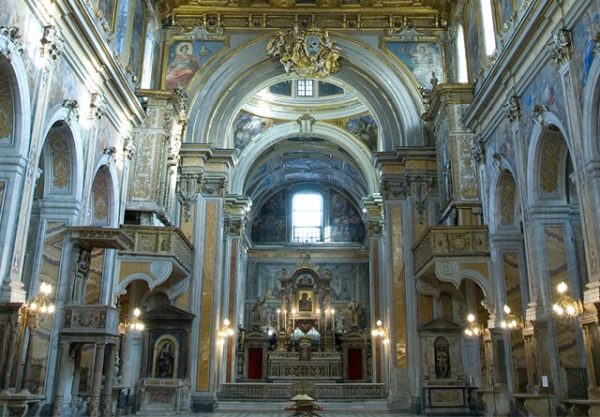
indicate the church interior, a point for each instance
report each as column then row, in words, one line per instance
column 205, row 201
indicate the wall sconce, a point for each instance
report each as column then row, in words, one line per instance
column 565, row 306
column 380, row 332
column 511, row 321
column 224, row 332
column 473, row 328
column 134, row 325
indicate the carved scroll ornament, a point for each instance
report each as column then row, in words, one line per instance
column 305, row 53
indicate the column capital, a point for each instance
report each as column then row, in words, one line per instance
column 561, row 46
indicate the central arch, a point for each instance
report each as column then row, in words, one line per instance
column 218, row 93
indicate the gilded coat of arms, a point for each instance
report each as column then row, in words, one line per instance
column 305, row 53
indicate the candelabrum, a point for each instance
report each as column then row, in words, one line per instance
column 380, row 332
column 41, row 305
column 510, row 321
column 473, row 328
column 134, row 324
column 224, row 332
column 565, row 306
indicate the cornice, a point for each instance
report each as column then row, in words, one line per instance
column 444, row 94
column 517, row 48
column 78, row 20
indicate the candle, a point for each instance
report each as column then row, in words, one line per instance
column 278, row 319
column 285, row 319
column 293, row 319
column 333, row 318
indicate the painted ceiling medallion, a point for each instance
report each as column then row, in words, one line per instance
column 305, row 53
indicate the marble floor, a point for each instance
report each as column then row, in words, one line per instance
column 276, row 409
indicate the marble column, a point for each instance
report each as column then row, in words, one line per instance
column 94, row 404
column 74, row 406
column 106, row 402
column 32, row 326
column 12, row 352
column 58, row 405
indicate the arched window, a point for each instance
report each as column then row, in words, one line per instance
column 461, row 56
column 489, row 33
column 307, row 217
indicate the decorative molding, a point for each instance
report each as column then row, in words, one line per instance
column 305, row 53
column 128, row 147
column 201, row 31
column 538, row 114
column 420, row 188
column 97, row 106
column 561, row 46
column 72, row 107
column 306, row 122
column 9, row 41
column 394, row 188
column 405, row 30
column 52, row 43
column 597, row 44
column 512, row 108
column 161, row 270
column 478, row 149
column 214, row 187
column 188, row 184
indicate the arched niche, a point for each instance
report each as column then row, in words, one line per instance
column 386, row 87
column 102, row 204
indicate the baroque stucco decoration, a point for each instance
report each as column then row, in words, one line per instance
column 305, row 53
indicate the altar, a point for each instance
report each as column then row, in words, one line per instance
column 303, row 341
column 322, row 366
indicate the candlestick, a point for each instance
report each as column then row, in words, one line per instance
column 293, row 319
column 285, row 319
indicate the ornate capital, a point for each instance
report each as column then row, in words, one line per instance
column 512, row 108
column 305, row 53
column 394, row 188
column 52, row 43
column 128, row 147
column 538, row 113
column 561, row 46
column 72, row 107
column 214, row 187
column 9, row 44
column 420, row 188
column 372, row 208
column 97, row 106
column 188, row 184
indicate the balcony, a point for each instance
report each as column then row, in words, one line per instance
column 159, row 242
column 452, row 253
column 89, row 322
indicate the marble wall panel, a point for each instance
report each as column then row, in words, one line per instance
column 49, row 273
column 558, row 272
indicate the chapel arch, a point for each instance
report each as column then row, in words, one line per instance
column 559, row 251
column 365, row 72
column 103, row 198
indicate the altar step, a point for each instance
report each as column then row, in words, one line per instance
column 354, row 408
column 319, row 391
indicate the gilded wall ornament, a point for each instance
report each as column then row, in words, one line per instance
column 305, row 53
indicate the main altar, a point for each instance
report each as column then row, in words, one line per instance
column 304, row 346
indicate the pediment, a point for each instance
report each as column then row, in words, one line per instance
column 168, row 312
column 441, row 324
